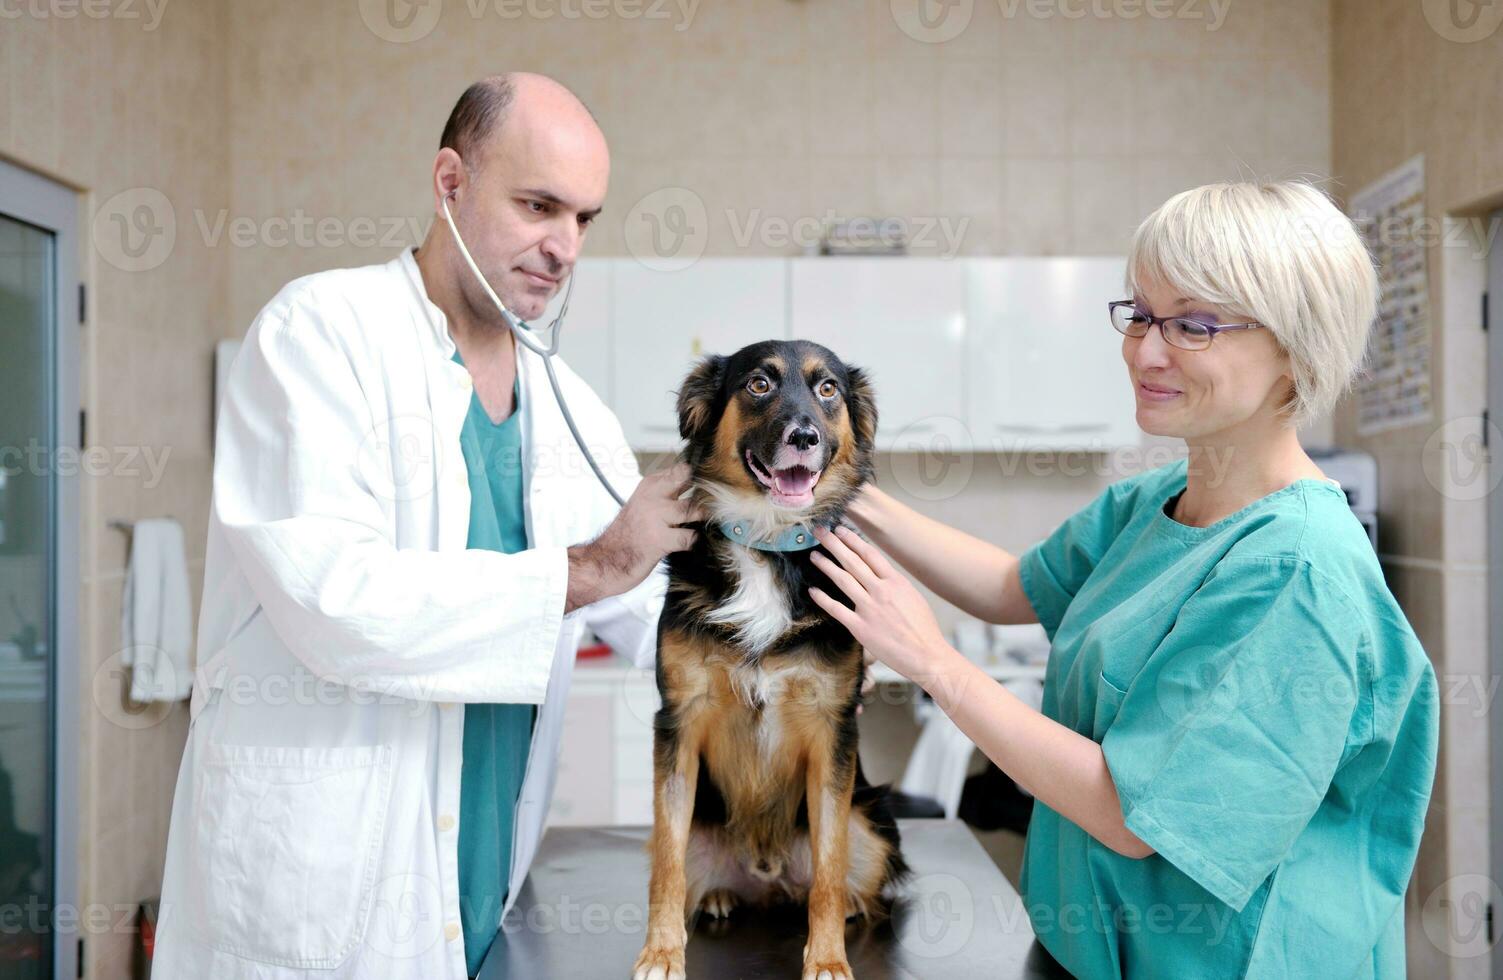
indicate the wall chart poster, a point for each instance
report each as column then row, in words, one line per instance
column 1395, row 389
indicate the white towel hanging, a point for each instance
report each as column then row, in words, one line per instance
column 156, row 628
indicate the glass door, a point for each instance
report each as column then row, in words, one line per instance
column 38, row 573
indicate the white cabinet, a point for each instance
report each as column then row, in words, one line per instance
column 980, row 354
column 584, row 772
column 605, row 758
column 662, row 322
column 586, row 343
column 901, row 319
column 1045, row 367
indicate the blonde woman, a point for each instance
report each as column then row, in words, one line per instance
column 1239, row 727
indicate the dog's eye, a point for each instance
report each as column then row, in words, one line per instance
column 827, row 389
column 759, row 386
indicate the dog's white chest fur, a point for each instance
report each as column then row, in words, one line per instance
column 764, row 688
column 757, row 609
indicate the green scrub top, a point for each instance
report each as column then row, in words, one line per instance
column 1270, row 722
column 497, row 737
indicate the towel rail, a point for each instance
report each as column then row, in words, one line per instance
column 120, row 524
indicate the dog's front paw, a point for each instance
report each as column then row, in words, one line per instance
column 827, row 968
column 659, row 963
column 826, row 964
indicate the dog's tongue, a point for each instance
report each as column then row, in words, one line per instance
column 794, row 481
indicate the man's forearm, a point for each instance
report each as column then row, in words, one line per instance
column 596, row 570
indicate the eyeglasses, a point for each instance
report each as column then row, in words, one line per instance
column 1178, row 331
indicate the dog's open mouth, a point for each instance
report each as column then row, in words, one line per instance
column 789, row 487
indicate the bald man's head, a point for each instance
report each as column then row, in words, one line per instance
column 482, row 110
column 525, row 167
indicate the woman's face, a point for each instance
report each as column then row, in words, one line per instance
column 1241, row 379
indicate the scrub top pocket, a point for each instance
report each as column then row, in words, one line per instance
column 1108, row 701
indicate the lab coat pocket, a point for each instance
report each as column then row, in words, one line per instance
column 285, row 848
column 1108, row 702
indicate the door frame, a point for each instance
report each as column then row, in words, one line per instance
column 1494, row 324
column 48, row 205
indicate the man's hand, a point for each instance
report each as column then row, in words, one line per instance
column 645, row 531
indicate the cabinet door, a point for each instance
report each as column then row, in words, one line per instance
column 586, row 343
column 581, row 789
column 904, row 321
column 1045, row 365
column 662, row 322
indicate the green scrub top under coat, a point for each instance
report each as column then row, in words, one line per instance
column 497, row 737
column 1270, row 722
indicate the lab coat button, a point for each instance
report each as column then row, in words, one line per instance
column 451, row 931
column 446, row 822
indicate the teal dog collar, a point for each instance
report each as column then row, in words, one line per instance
column 796, row 538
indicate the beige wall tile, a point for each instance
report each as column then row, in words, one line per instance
column 972, row 95
column 1037, row 203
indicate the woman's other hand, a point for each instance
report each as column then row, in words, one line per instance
column 886, row 615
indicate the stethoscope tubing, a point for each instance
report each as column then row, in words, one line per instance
column 546, row 351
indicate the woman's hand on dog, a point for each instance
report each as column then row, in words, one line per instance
column 645, row 531
column 886, row 615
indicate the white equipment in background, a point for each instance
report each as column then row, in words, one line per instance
column 1357, row 472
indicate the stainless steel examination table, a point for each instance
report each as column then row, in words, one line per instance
column 581, row 915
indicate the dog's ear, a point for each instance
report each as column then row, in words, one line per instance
column 696, row 399
column 861, row 402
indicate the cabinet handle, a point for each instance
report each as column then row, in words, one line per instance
column 1082, row 427
column 660, row 427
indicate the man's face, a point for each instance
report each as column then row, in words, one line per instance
column 525, row 209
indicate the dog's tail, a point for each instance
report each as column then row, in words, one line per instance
column 874, row 802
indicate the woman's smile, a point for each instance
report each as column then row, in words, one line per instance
column 1157, row 393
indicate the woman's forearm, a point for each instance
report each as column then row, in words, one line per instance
column 1062, row 768
column 979, row 578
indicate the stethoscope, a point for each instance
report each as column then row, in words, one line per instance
column 530, row 340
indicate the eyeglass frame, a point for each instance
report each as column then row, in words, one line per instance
column 1212, row 329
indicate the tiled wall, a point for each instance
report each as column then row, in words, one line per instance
column 289, row 137
column 1050, row 135
column 1409, row 80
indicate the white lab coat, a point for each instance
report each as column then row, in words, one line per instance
column 345, row 624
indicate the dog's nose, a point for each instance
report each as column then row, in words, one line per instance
column 803, row 437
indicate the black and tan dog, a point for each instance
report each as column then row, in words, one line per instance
column 758, row 795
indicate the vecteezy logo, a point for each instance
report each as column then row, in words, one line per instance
column 401, row 458
column 401, row 21
column 927, row 461
column 112, row 683
column 1455, row 460
column 1455, row 916
column 932, row 21
column 136, row 229
column 943, row 913
column 668, row 229
column 406, row 916
column 1464, row 21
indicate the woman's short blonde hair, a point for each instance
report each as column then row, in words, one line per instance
column 1283, row 254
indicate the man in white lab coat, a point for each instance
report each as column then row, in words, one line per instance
column 346, row 624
